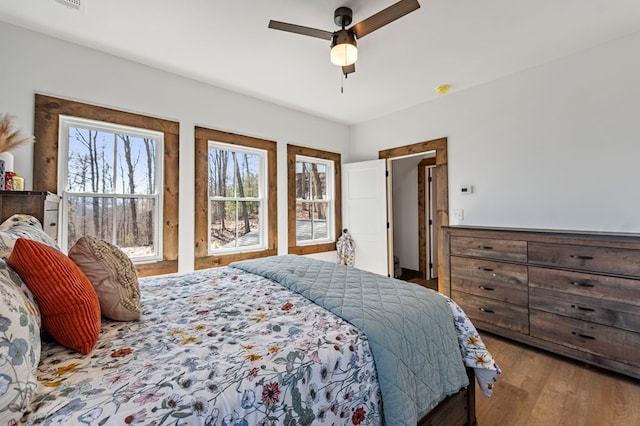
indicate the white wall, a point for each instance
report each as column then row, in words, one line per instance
column 552, row 147
column 31, row 62
column 557, row 146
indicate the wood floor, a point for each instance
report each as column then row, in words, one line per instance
column 432, row 284
column 539, row 388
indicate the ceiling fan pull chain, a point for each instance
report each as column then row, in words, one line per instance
column 341, row 83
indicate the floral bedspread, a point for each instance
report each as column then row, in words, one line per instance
column 474, row 353
column 214, row 347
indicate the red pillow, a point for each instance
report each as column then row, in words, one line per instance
column 68, row 303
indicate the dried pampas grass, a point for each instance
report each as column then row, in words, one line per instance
column 10, row 139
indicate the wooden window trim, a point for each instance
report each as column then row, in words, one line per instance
column 292, row 152
column 45, row 162
column 202, row 138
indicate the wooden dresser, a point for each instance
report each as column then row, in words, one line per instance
column 573, row 293
column 42, row 205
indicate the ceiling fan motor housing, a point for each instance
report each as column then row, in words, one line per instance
column 343, row 36
column 343, row 16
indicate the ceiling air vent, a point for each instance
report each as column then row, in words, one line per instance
column 75, row 4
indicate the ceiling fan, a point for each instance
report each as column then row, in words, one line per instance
column 344, row 51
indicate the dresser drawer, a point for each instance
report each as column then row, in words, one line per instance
column 588, row 258
column 606, row 288
column 495, row 280
column 586, row 336
column 489, row 248
column 489, row 311
column 620, row 315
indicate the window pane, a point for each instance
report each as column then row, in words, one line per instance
column 320, row 221
column 320, row 211
column 248, row 223
column 223, row 231
column 136, row 165
column 303, row 181
column 237, row 175
column 225, row 228
column 90, row 161
column 221, row 173
column 304, row 222
column 319, row 181
column 89, row 216
column 134, row 224
column 248, row 168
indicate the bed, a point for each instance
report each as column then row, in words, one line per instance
column 281, row 340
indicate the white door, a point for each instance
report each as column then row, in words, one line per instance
column 364, row 213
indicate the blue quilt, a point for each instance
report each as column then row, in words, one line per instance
column 410, row 329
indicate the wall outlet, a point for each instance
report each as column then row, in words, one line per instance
column 458, row 214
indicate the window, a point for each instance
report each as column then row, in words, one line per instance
column 236, row 197
column 237, row 178
column 114, row 193
column 314, row 200
column 109, row 177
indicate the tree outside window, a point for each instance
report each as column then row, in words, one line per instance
column 110, row 180
column 313, row 222
column 235, row 198
column 49, row 163
column 236, row 215
column 315, row 209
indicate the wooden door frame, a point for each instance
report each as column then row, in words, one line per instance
column 441, row 197
column 422, row 219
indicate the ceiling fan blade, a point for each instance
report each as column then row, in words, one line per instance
column 348, row 69
column 384, row 17
column 299, row 29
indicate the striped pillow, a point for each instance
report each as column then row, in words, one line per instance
column 68, row 303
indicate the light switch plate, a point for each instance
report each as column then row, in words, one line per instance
column 458, row 214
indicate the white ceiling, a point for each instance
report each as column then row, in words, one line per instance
column 227, row 43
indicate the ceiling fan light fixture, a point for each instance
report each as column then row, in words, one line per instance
column 344, row 49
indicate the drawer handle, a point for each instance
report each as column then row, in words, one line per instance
column 581, row 284
column 580, row 257
column 488, row 311
column 580, row 308
column 482, row 268
column 485, row 247
column 52, row 224
column 481, row 287
column 584, row 336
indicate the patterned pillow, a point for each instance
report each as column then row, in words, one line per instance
column 22, row 226
column 113, row 277
column 9, row 273
column 68, row 303
column 19, row 347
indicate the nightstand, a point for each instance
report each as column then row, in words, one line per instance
column 42, row 205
